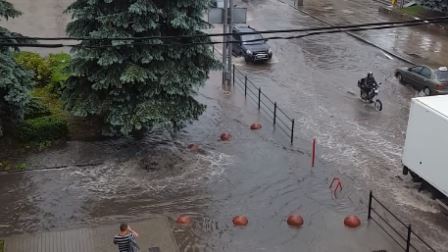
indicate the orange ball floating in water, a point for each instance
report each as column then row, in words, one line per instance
column 352, row 221
column 255, row 126
column 225, row 136
column 184, row 219
column 240, row 220
column 295, row 220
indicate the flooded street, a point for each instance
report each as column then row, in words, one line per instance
column 257, row 173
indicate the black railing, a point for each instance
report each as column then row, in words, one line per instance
column 405, row 241
column 279, row 118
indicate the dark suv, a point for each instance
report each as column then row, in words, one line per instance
column 252, row 51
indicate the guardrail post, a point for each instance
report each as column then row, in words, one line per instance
column 369, row 213
column 245, row 86
column 275, row 112
column 408, row 241
column 292, row 131
column 259, row 98
column 233, row 75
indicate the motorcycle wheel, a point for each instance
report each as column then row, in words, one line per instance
column 378, row 105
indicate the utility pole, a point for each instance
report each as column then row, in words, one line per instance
column 227, row 15
column 227, row 47
column 224, row 48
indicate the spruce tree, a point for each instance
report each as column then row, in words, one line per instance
column 132, row 86
column 15, row 82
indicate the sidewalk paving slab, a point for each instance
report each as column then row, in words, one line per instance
column 154, row 232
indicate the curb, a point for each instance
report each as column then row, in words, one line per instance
column 403, row 16
column 399, row 57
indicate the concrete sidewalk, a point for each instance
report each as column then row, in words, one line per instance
column 155, row 232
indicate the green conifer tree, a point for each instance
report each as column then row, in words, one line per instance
column 15, row 82
column 133, row 85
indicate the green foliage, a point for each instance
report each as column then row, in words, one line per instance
column 39, row 65
column 35, row 108
column 49, row 100
column 415, row 10
column 21, row 166
column 15, row 82
column 42, row 129
column 7, row 11
column 52, row 70
column 2, row 242
column 59, row 67
column 134, row 86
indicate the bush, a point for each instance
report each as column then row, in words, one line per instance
column 59, row 65
column 42, row 129
column 34, row 62
column 35, row 108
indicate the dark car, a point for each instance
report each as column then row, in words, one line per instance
column 431, row 81
column 252, row 51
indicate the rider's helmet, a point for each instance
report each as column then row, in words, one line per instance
column 369, row 75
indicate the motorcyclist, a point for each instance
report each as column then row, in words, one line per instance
column 368, row 83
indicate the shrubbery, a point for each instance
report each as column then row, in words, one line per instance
column 42, row 129
column 35, row 63
column 35, row 108
column 44, row 116
column 52, row 70
column 59, row 67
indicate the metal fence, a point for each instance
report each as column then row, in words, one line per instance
column 279, row 118
column 407, row 240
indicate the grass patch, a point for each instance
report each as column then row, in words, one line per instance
column 415, row 10
column 2, row 246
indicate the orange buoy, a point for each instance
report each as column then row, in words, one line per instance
column 255, row 126
column 193, row 147
column 184, row 220
column 240, row 220
column 225, row 136
column 352, row 221
column 295, row 220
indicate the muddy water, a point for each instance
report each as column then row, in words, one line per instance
column 257, row 173
column 315, row 78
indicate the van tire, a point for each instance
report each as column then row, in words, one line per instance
column 405, row 170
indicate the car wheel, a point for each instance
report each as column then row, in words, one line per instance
column 427, row 91
column 400, row 78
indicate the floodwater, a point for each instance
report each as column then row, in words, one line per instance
column 257, row 174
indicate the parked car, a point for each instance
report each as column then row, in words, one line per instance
column 252, row 51
column 431, row 81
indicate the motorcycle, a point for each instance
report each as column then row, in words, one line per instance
column 370, row 96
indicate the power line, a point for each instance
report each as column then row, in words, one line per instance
column 315, row 31
column 416, row 21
